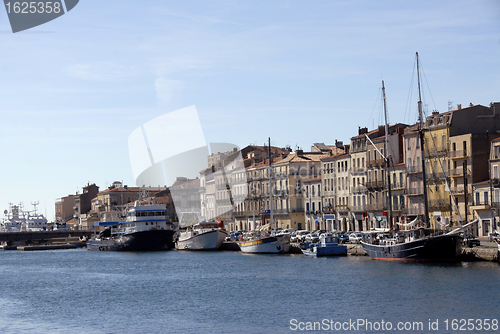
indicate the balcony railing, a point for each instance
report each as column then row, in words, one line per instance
column 358, row 189
column 414, row 169
column 431, row 151
column 358, row 170
column 328, row 209
column 414, row 191
column 436, row 176
column 480, row 206
column 281, row 211
column 358, row 208
column 456, row 172
column 376, row 207
column 457, row 190
column 342, row 207
column 397, row 185
column 374, row 184
column 457, row 154
column 281, row 192
column 313, row 213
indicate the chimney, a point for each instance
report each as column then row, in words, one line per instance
column 299, row 152
column 381, row 130
column 459, row 106
column 362, row 131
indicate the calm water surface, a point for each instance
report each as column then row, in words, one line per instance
column 81, row 291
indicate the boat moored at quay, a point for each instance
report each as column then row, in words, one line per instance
column 414, row 245
column 328, row 246
column 266, row 244
column 202, row 236
column 145, row 228
column 262, row 241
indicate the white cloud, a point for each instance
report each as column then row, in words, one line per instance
column 167, row 89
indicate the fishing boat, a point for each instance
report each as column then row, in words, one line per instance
column 267, row 242
column 417, row 244
column 202, row 236
column 146, row 227
column 328, row 246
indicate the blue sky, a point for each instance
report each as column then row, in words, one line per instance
column 73, row 90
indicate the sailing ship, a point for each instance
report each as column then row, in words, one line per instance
column 267, row 242
column 202, row 236
column 146, row 227
column 417, row 244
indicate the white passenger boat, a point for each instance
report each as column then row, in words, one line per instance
column 146, row 227
column 202, row 236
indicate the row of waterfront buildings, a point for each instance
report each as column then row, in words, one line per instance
column 336, row 187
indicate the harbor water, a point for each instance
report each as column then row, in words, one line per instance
column 79, row 291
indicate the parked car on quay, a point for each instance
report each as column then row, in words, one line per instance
column 233, row 236
column 300, row 235
column 470, row 240
column 355, row 238
column 343, row 238
column 312, row 237
column 285, row 231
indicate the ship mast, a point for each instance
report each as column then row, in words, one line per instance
column 270, row 185
column 421, row 135
column 387, row 161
